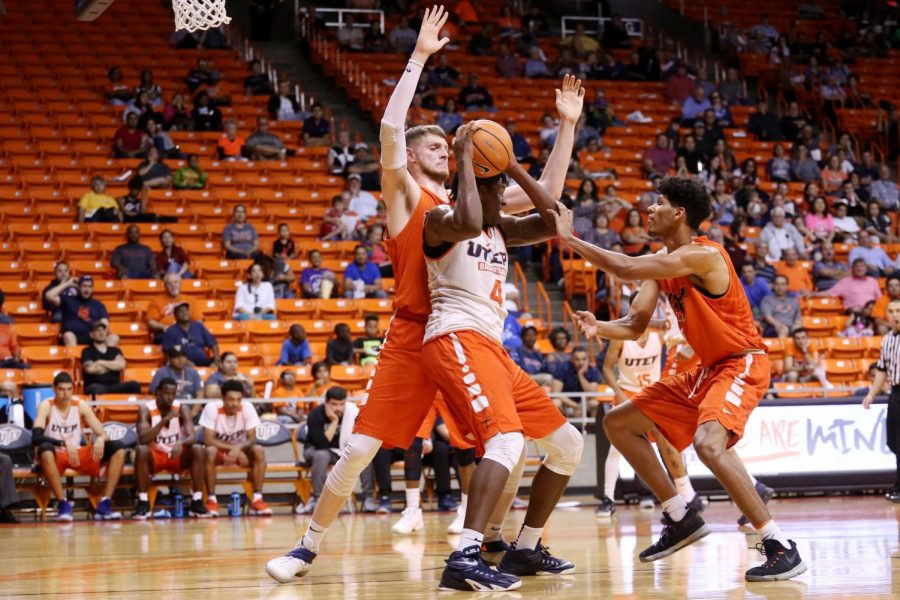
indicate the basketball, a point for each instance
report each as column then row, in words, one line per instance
column 493, row 148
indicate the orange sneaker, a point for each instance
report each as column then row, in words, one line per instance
column 259, row 507
column 212, row 506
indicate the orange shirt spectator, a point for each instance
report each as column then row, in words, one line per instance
column 230, row 145
column 798, row 276
column 9, row 344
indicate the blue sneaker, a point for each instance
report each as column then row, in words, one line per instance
column 105, row 512
column 295, row 563
column 384, row 506
column 65, row 512
column 162, row 513
column 466, row 571
column 492, row 552
column 446, row 503
column 537, row 561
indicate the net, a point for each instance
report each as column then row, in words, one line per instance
column 194, row 15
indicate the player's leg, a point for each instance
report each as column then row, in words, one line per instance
column 411, row 520
column 381, row 464
column 765, row 492
column 495, row 547
column 439, row 461
column 465, row 464
column 213, row 459
column 114, row 458
column 674, row 462
column 53, row 462
column 193, row 459
column 143, row 465
column 256, row 455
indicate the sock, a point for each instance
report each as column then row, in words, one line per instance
column 493, row 532
column 685, row 489
column 211, row 498
column 468, row 538
column 197, row 496
column 143, row 496
column 463, row 503
column 611, row 473
column 257, row 496
column 104, row 498
column 675, row 507
column 413, row 496
column 529, row 537
column 771, row 530
column 312, row 537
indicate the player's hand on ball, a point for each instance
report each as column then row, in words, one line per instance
column 462, row 141
column 432, row 23
column 587, row 322
column 565, row 228
column 570, row 98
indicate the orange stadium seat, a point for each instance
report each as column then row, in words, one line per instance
column 260, row 376
column 13, row 270
column 196, row 287
column 137, row 355
column 266, row 331
column 47, row 357
column 226, row 331
column 96, row 268
column 350, row 376
column 123, row 310
column 217, row 310
column 22, row 291
column 247, row 354
column 131, row 333
column 77, row 249
column 819, row 326
column 44, row 376
column 841, row 347
column 25, row 312
column 338, row 309
column 143, row 375
column 37, row 333
column 109, row 290
column 375, row 306
column 775, row 347
column 144, row 289
column 823, row 307
column 295, row 308
column 317, row 330
column 841, row 370
column 120, row 412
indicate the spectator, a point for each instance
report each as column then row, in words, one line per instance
column 780, row 313
column 403, row 37
column 884, row 190
column 581, row 43
column 362, row 202
column 755, row 287
column 228, row 371
column 508, row 64
column 659, row 159
column 263, row 144
column 694, row 159
column 10, row 351
column 482, row 41
column 878, row 223
column 351, row 37
column 277, row 271
column 231, row 145
column 574, row 376
column 818, row 222
column 803, row 166
column 339, row 222
column 295, row 349
column 191, row 176
column 284, row 247
column 680, row 85
column 362, row 278
column 161, row 140
column 734, row 93
column 60, row 275
column 96, row 206
column 846, row 228
column 449, row 119
column 369, row 344
column 176, row 115
column 172, row 258
column 254, row 299
column 147, row 86
column 530, row 359
column 231, row 441
column 288, row 412
column 117, row 93
column 161, row 312
column 828, row 270
column 339, row 349
column 601, row 235
column 474, row 96
column 257, row 82
column 316, row 281
column 797, row 274
column 78, row 312
column 536, row 65
column 239, row 238
column 133, row 260
column 634, row 234
column 878, row 263
column 321, row 372
column 560, row 340
column 103, row 365
column 693, row 106
column 763, row 124
column 521, row 148
column 143, row 108
column 341, row 154
column 283, row 106
column 366, row 167
column 129, row 141
column 133, row 205
column 780, row 235
column 615, row 34
column 857, row 289
column 761, row 261
column 186, row 378
column 443, row 75
column 206, row 116
column 861, row 322
column 202, row 74
column 802, row 362
column 316, row 128
column 191, row 337
column 879, row 311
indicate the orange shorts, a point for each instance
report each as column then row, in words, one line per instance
column 726, row 392
column 87, row 464
column 163, row 462
column 457, row 438
column 677, row 364
column 485, row 391
column 399, row 393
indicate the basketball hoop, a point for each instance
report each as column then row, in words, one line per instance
column 195, row 15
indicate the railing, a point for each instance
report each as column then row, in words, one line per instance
column 634, row 27
column 302, row 14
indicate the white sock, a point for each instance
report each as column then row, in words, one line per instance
column 413, row 497
column 771, row 530
column 104, row 498
column 611, row 473
column 675, row 507
column 197, row 496
column 312, row 537
column 529, row 537
column 493, row 532
column 257, row 496
column 469, row 537
column 463, row 503
column 211, row 498
column 685, row 489
column 143, row 496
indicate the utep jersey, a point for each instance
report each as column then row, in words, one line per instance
column 229, row 429
column 170, row 434
column 466, row 285
column 639, row 366
column 714, row 326
column 65, row 427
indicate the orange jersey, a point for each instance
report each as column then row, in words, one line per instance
column 405, row 252
column 715, row 327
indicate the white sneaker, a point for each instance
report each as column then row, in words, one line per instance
column 456, row 526
column 409, row 522
column 295, row 563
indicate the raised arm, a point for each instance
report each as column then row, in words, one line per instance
column 629, row 327
column 464, row 220
column 531, row 229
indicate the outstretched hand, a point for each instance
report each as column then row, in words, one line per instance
column 587, row 322
column 428, row 42
column 564, row 220
column 462, row 140
column 570, row 98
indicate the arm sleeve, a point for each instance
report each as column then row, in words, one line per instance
column 38, row 437
column 393, row 122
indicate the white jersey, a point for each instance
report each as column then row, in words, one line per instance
column 233, row 429
column 65, row 427
column 673, row 335
column 639, row 366
column 169, row 435
column 466, row 285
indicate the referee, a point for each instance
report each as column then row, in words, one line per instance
column 888, row 367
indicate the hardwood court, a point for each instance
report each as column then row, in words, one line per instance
column 847, row 543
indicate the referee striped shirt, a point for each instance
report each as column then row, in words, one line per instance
column 889, row 361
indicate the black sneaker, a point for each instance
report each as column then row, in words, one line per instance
column 538, row 561
column 696, row 503
column 466, row 571
column 606, row 508
column 492, row 552
column 676, row 536
column 893, row 497
column 6, row 517
column 781, row 563
column 142, row 511
column 765, row 494
column 198, row 509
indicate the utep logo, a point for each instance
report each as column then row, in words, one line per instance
column 10, row 435
column 640, row 362
column 115, row 432
column 495, row 262
column 265, row 430
column 676, row 301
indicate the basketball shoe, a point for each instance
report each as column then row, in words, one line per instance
column 198, row 510
column 532, row 561
column 765, row 494
column 295, row 563
column 696, row 503
column 260, row 508
column 65, row 512
column 142, row 511
column 781, row 563
column 606, row 508
column 105, row 512
column 492, row 552
column 676, row 536
column 410, row 521
column 212, row 507
column 467, row 571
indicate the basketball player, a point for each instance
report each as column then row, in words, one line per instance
column 709, row 405
column 229, row 432
column 487, row 393
column 167, row 442
column 415, row 167
column 58, row 434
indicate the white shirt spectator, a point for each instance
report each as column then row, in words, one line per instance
column 885, row 191
column 233, row 429
column 781, row 235
column 365, row 205
column 262, row 296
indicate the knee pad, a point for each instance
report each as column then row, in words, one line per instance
column 563, row 448
column 505, row 448
column 465, row 457
column 357, row 455
column 46, row 447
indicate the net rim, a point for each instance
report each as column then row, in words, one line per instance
column 199, row 15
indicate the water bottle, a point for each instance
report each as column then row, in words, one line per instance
column 17, row 414
column 179, row 507
column 234, row 509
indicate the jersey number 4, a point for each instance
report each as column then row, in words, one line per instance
column 497, row 292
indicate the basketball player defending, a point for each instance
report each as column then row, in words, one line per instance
column 487, row 393
column 415, row 167
column 709, row 405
